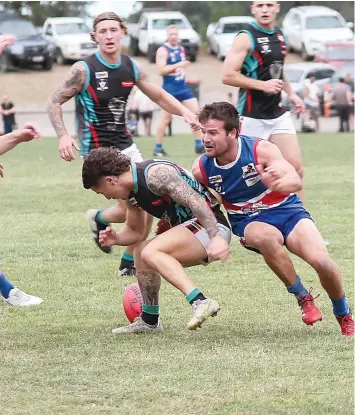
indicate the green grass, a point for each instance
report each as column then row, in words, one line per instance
column 256, row 357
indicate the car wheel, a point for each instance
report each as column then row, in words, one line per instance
column 304, row 53
column 219, row 56
column 192, row 58
column 60, row 57
column 4, row 63
column 209, row 49
column 133, row 45
column 47, row 65
column 151, row 53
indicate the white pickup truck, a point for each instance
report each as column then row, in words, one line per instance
column 71, row 38
column 150, row 33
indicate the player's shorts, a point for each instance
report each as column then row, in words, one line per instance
column 180, row 94
column 254, row 127
column 146, row 115
column 201, row 234
column 133, row 153
column 284, row 217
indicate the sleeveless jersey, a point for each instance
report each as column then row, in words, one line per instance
column 164, row 207
column 265, row 61
column 174, row 82
column 239, row 183
column 101, row 105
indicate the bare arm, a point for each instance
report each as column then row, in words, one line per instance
column 276, row 173
column 165, row 69
column 11, row 140
column 158, row 95
column 71, row 85
column 165, row 180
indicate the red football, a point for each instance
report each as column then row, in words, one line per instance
column 132, row 302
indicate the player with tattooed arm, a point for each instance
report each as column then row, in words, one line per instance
column 199, row 231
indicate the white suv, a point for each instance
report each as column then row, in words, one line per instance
column 71, row 38
column 308, row 28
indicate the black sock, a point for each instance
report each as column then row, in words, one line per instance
column 151, row 319
column 125, row 263
column 199, row 296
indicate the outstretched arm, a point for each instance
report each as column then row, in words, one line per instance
column 276, row 173
column 165, row 180
column 9, row 141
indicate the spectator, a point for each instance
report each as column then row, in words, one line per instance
column 312, row 101
column 8, row 115
column 145, row 107
column 350, row 81
column 132, row 123
column 342, row 98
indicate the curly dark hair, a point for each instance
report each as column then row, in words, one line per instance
column 222, row 111
column 108, row 16
column 103, row 162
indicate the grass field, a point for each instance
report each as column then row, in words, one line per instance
column 256, row 357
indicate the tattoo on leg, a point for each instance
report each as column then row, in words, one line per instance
column 149, row 283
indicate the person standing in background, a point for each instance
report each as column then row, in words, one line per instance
column 350, row 81
column 144, row 106
column 312, row 101
column 342, row 99
column 8, row 114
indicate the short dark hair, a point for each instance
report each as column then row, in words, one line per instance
column 108, row 16
column 222, row 111
column 341, row 79
column 103, row 162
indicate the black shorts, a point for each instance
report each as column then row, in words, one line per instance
column 146, row 115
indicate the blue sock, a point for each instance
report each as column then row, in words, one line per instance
column 158, row 146
column 198, row 143
column 5, row 286
column 297, row 288
column 100, row 219
column 127, row 257
column 341, row 307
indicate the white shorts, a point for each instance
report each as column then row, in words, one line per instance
column 133, row 153
column 254, row 127
column 202, row 235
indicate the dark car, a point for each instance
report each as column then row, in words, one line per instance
column 30, row 47
column 337, row 54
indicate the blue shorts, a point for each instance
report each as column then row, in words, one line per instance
column 182, row 94
column 284, row 217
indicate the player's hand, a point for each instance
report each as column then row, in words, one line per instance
column 1, row 170
column 273, row 86
column 191, row 119
column 270, row 176
column 6, row 40
column 27, row 133
column 218, row 249
column 297, row 102
column 107, row 237
column 162, row 226
column 66, row 144
column 184, row 64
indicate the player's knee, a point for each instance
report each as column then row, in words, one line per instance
column 322, row 264
column 147, row 255
column 264, row 241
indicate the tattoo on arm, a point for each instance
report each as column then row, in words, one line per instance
column 142, row 74
column 72, row 84
column 164, row 179
column 149, row 283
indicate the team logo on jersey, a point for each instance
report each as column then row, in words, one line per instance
column 101, row 75
column 252, row 180
column 101, row 84
column 265, row 48
column 127, row 84
column 249, row 170
column 215, row 179
column 263, row 39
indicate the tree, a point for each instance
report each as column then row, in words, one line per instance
column 38, row 11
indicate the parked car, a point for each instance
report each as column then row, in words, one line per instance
column 337, row 54
column 308, row 28
column 150, row 33
column 347, row 68
column 30, row 47
column 220, row 35
column 71, row 38
column 298, row 74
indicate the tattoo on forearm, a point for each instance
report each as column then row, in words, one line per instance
column 71, row 85
column 165, row 180
column 149, row 283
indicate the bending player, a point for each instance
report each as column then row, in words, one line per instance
column 200, row 233
column 257, row 186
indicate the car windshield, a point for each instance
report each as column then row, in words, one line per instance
column 70, row 28
column 323, row 22
column 18, row 28
column 164, row 23
column 293, row 75
column 336, row 53
column 234, row 27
